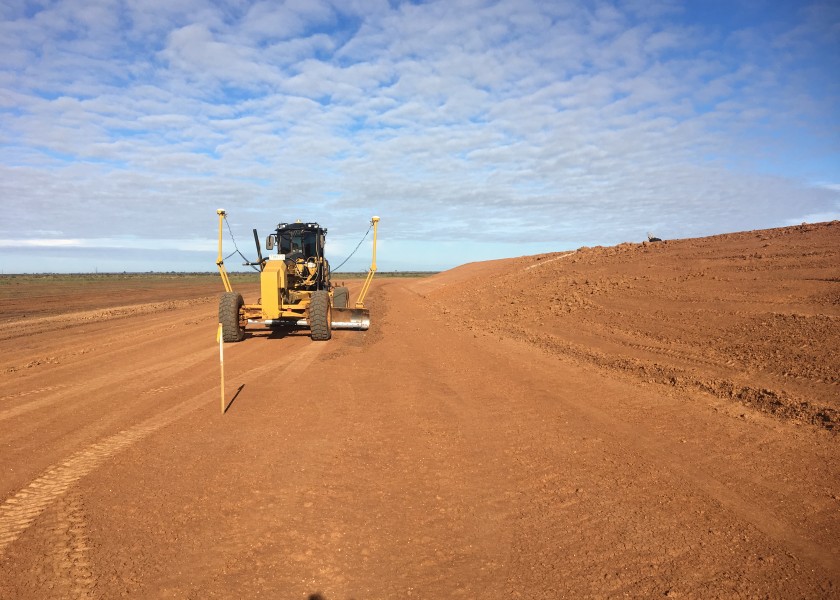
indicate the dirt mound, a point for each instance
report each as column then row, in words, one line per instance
column 752, row 316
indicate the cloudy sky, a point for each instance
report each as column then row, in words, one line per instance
column 475, row 129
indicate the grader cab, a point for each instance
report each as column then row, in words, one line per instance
column 295, row 286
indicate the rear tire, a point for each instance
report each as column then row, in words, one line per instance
column 320, row 316
column 230, row 305
column 341, row 297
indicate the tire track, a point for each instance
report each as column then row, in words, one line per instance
column 30, row 392
column 20, row 511
column 28, row 327
column 72, row 572
column 58, row 393
column 32, row 404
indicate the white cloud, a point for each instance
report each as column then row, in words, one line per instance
column 40, row 243
column 271, row 21
column 552, row 122
column 117, row 243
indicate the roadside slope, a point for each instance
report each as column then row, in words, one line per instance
column 753, row 317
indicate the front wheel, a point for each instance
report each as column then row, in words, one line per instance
column 230, row 308
column 320, row 316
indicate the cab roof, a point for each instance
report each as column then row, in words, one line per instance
column 301, row 227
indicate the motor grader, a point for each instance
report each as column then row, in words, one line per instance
column 295, row 286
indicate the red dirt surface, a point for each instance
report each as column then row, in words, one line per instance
column 642, row 421
column 751, row 316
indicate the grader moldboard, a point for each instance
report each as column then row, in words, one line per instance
column 295, row 287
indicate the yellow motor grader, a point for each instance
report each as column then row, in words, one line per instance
column 295, row 287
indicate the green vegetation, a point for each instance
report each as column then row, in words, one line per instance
column 187, row 278
column 363, row 274
column 77, row 278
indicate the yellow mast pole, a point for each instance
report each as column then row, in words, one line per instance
column 360, row 301
column 220, row 261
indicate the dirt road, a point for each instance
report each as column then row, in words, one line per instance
column 425, row 458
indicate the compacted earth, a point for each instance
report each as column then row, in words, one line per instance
column 644, row 420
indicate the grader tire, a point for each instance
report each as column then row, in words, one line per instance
column 341, row 297
column 320, row 316
column 230, row 304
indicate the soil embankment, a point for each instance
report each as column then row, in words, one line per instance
column 752, row 316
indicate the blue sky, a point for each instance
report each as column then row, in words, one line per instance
column 475, row 129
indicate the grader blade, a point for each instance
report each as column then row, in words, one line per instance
column 351, row 318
